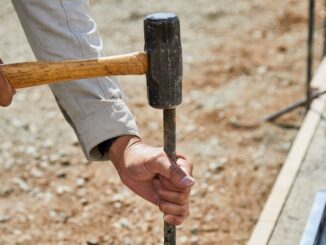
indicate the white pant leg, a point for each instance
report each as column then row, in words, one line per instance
column 63, row 29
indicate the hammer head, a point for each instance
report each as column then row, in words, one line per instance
column 163, row 47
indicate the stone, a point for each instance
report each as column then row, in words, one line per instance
column 61, row 189
column 92, row 241
column 80, row 182
column 4, row 218
column 21, row 184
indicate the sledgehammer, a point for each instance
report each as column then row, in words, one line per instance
column 161, row 62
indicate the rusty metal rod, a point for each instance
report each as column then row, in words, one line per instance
column 291, row 107
column 169, row 126
column 324, row 26
column 310, row 42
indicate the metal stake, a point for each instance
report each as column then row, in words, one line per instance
column 169, row 148
column 311, row 22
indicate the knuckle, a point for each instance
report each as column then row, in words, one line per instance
column 162, row 207
column 184, row 210
column 178, row 221
column 183, row 197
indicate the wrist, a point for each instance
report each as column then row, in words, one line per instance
column 119, row 147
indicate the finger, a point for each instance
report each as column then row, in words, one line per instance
column 169, row 208
column 179, row 198
column 185, row 164
column 174, row 219
column 168, row 185
column 165, row 167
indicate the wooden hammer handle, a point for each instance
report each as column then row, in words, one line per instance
column 28, row 74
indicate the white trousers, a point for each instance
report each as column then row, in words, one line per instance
column 63, row 29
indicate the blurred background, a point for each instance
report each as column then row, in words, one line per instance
column 242, row 61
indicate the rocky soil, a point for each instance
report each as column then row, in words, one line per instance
column 242, row 61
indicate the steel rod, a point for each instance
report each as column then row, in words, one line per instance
column 311, row 23
column 169, row 126
column 291, row 107
column 324, row 27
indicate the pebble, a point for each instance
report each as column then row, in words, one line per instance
column 125, row 223
column 61, row 175
column 61, row 189
column 5, row 191
column 80, row 182
column 84, row 201
column 58, row 216
column 122, row 223
column 209, row 218
column 194, row 240
column 184, row 239
column 149, row 216
column 36, row 172
column 92, row 241
column 44, row 164
column 48, row 143
column 117, row 197
column 54, row 158
column 194, row 229
column 21, row 184
column 4, row 218
column 117, row 205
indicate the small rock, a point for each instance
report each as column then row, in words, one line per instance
column 194, row 240
column 80, row 182
column 84, row 201
column 209, row 218
column 117, row 197
column 5, row 191
column 61, row 175
column 36, row 172
column 54, row 158
column 4, row 218
column 117, row 205
column 59, row 215
column 21, row 184
column 61, row 189
column 194, row 230
column 44, row 164
column 183, row 239
column 125, row 223
column 261, row 70
column 215, row 166
column 30, row 150
column 65, row 163
column 48, row 143
column 92, row 241
column 149, row 216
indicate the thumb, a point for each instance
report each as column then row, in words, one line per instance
column 170, row 170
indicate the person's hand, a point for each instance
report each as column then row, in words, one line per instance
column 148, row 172
column 6, row 92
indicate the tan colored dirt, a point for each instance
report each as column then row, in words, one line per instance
column 243, row 60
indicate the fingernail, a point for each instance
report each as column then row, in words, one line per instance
column 187, row 181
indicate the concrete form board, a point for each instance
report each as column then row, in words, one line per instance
column 311, row 179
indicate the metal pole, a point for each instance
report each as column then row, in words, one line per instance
column 293, row 106
column 310, row 51
column 324, row 25
column 169, row 148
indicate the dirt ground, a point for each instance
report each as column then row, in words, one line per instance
column 242, row 61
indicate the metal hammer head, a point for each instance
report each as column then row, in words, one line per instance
column 163, row 47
